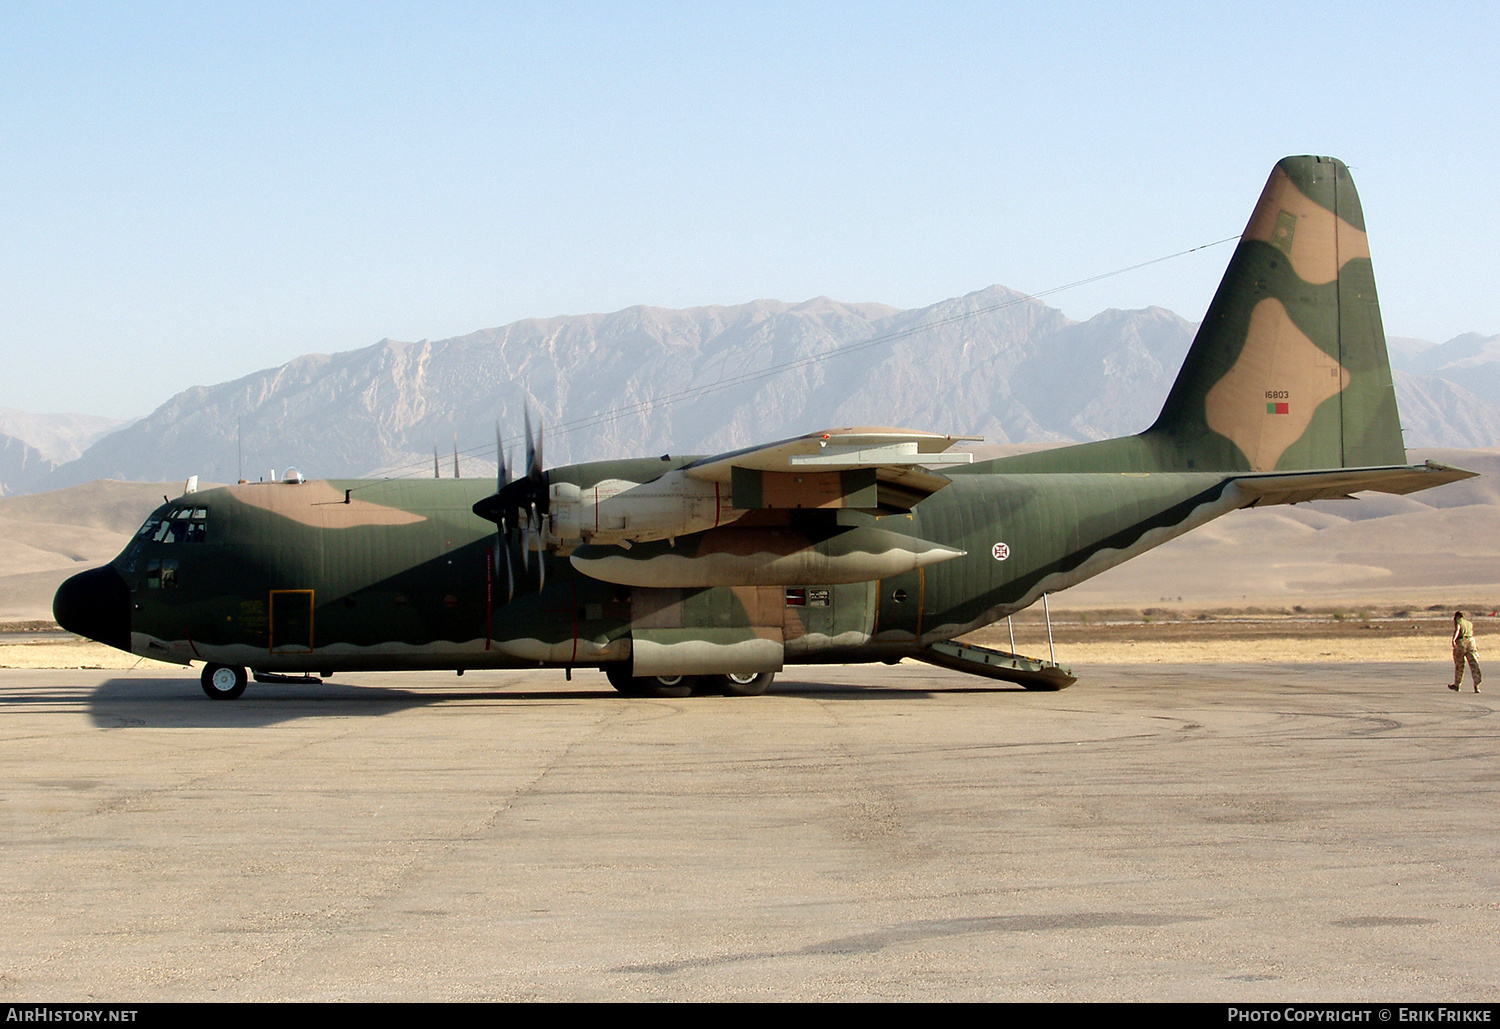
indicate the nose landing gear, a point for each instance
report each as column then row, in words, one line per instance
column 224, row 682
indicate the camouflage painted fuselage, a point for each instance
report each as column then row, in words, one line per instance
column 289, row 577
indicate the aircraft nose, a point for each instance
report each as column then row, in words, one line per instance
column 95, row 604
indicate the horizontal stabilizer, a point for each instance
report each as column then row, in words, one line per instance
column 1341, row 483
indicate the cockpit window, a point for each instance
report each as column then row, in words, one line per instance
column 177, row 525
column 197, row 526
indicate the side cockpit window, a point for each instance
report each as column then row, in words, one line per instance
column 178, row 525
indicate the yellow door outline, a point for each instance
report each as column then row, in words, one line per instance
column 294, row 647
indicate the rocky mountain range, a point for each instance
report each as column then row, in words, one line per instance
column 651, row 380
column 21, row 465
column 32, row 446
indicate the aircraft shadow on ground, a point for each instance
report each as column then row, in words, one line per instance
column 177, row 702
column 850, row 691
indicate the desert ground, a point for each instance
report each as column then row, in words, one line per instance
column 1172, row 832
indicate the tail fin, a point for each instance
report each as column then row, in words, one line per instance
column 1289, row 369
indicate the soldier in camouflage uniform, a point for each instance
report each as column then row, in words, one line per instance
column 1463, row 648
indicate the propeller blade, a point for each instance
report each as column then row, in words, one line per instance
column 536, row 470
column 530, row 443
column 502, row 471
column 541, row 557
column 510, row 576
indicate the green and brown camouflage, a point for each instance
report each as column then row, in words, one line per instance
column 842, row 546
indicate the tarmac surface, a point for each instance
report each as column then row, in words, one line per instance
column 1157, row 832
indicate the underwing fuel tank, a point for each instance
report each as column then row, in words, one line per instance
column 762, row 557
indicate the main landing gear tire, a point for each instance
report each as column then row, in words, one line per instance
column 650, row 685
column 619, row 677
column 224, row 682
column 667, row 685
column 744, row 684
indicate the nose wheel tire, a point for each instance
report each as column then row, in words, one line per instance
column 224, row 682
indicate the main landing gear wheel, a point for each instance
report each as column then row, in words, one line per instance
column 224, row 682
column 619, row 677
column 648, row 686
column 667, row 685
column 744, row 684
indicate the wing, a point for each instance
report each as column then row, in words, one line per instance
column 860, row 466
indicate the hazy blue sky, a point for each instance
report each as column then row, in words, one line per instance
column 191, row 192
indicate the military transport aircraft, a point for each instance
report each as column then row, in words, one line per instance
column 846, row 545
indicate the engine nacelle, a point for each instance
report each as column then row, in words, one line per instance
column 618, row 511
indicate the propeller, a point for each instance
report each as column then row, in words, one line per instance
column 520, row 507
column 502, row 534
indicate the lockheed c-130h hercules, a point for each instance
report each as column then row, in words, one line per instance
column 848, row 545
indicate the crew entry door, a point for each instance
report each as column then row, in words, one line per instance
column 291, row 621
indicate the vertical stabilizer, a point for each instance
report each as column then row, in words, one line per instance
column 1289, row 369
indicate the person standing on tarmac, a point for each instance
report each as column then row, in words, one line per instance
column 1463, row 648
